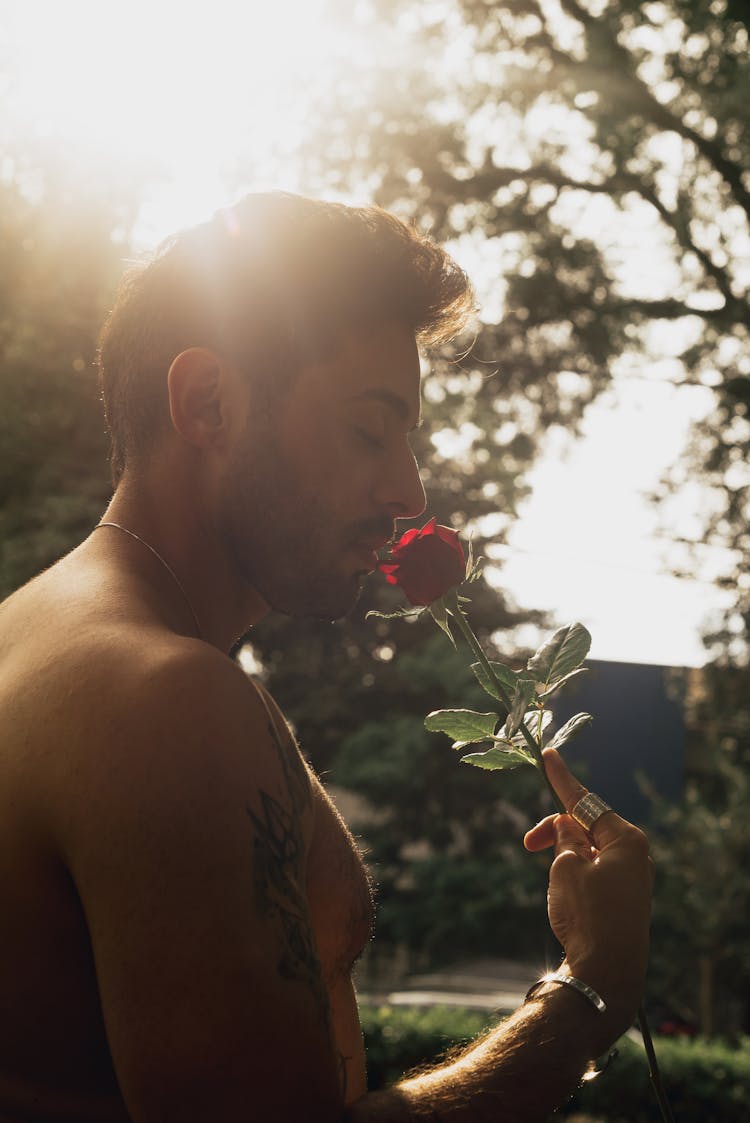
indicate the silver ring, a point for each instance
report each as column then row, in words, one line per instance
column 589, row 808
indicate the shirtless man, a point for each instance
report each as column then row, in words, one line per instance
column 181, row 904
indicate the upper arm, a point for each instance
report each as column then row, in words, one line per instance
column 184, row 837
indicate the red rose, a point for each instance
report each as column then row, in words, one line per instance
column 426, row 563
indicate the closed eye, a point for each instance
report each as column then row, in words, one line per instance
column 369, row 439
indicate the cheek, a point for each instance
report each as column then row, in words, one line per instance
column 320, row 453
column 303, row 434
column 318, row 464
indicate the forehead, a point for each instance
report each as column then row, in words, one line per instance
column 378, row 365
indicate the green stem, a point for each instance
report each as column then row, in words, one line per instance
column 653, row 1067
column 456, row 612
column 452, row 604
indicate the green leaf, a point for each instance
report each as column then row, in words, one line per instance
column 561, row 654
column 508, row 679
column 569, row 730
column 560, row 682
column 466, row 727
column 439, row 614
column 531, row 720
column 496, row 758
column 523, row 694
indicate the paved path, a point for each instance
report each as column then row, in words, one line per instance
column 488, row 984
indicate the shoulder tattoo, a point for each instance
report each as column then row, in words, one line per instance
column 279, row 869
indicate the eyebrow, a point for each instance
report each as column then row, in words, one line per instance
column 395, row 402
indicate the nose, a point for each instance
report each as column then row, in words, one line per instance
column 399, row 490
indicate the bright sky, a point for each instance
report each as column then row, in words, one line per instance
column 589, row 546
column 185, row 95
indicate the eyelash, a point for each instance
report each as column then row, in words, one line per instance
column 372, row 442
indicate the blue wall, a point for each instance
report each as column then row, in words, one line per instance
column 637, row 727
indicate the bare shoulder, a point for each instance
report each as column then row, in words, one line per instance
column 174, row 720
column 157, row 670
column 186, row 824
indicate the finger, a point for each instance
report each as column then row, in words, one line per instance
column 570, row 835
column 569, row 790
column 541, row 836
column 608, row 827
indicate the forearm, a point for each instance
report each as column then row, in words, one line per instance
column 599, row 908
column 519, row 1073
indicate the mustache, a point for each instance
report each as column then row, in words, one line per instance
column 375, row 528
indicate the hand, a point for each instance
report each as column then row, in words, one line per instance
column 599, row 892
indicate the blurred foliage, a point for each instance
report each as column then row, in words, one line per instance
column 702, row 851
column 401, row 1038
column 591, row 156
column 60, row 265
column 700, row 975
column 594, row 155
column 706, row 1081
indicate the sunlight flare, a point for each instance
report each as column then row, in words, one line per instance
column 176, row 89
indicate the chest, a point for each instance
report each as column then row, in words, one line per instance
column 338, row 890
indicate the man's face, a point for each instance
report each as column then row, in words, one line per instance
column 316, row 482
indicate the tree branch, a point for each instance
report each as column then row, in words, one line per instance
column 643, row 100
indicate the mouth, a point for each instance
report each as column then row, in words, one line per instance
column 366, row 551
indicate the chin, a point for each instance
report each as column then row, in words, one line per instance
column 331, row 603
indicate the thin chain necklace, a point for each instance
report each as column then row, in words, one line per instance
column 167, row 566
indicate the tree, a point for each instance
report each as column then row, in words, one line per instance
column 60, row 265
column 702, row 849
column 589, row 157
column 700, row 973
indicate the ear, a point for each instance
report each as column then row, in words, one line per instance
column 199, row 397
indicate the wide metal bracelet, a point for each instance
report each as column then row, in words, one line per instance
column 588, row 992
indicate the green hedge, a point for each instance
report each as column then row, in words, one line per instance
column 400, row 1038
column 706, row 1081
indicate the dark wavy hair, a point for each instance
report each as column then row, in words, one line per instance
column 270, row 283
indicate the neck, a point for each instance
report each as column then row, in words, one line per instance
column 170, row 522
column 162, row 562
